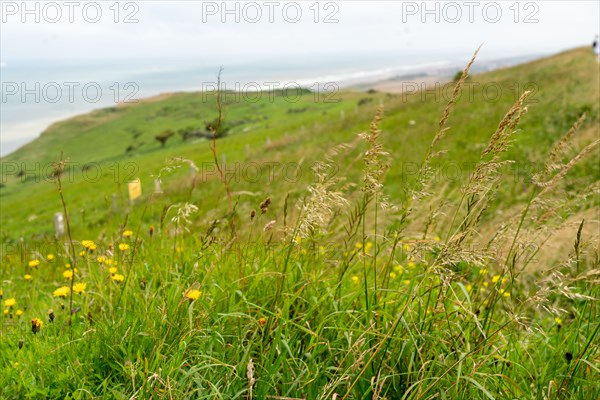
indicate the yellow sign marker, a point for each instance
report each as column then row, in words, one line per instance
column 135, row 189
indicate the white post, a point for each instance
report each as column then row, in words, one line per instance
column 59, row 224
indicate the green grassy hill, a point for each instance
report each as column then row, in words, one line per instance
column 345, row 266
column 282, row 131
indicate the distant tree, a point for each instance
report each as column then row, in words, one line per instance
column 185, row 132
column 459, row 74
column 223, row 128
column 164, row 136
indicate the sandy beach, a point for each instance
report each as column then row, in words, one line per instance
column 406, row 84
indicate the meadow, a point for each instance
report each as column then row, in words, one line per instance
column 348, row 245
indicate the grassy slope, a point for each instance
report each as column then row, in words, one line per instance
column 314, row 320
column 564, row 87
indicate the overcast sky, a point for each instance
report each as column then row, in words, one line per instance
column 195, row 29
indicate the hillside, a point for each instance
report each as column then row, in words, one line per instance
column 450, row 250
column 281, row 131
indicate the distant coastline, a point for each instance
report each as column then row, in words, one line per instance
column 22, row 122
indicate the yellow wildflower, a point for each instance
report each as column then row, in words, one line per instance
column 36, row 325
column 495, row 278
column 127, row 233
column 112, row 270
column 27, row 277
column 123, row 246
column 355, row 279
column 19, row 313
column 10, row 302
column 118, row 278
column 193, row 294
column 68, row 274
column 61, row 292
column 34, row 263
column 79, row 287
column 50, row 257
column 393, row 275
column 406, row 282
column 558, row 320
column 399, row 269
column 101, row 259
column 483, row 271
column 88, row 244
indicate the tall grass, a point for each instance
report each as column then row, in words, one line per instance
column 349, row 297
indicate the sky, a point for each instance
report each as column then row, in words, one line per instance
column 234, row 30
